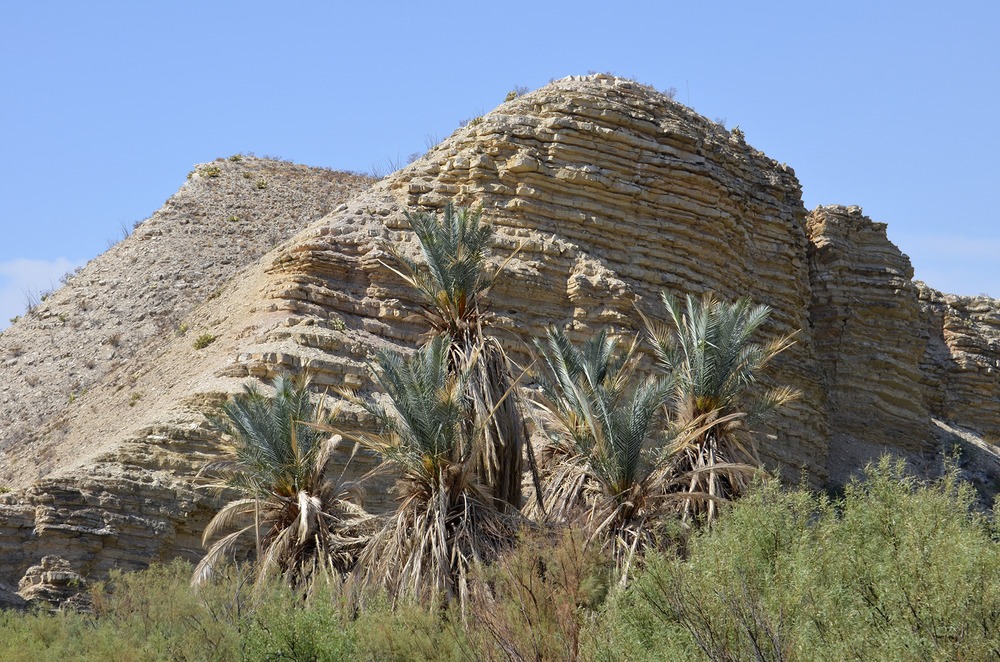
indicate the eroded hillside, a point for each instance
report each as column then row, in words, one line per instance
column 612, row 191
column 114, row 316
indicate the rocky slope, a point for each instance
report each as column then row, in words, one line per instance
column 116, row 313
column 612, row 191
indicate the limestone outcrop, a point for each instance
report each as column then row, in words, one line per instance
column 865, row 316
column 613, row 193
column 113, row 315
column 961, row 363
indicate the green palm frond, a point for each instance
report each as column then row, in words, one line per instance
column 277, row 463
column 452, row 284
column 709, row 346
column 604, row 461
column 446, row 521
column 453, row 281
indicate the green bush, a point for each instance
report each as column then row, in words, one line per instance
column 138, row 617
column 211, row 171
column 282, row 626
column 204, row 340
column 896, row 570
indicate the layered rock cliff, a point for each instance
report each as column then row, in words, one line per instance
column 613, row 192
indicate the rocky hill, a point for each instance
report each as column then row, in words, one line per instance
column 613, row 192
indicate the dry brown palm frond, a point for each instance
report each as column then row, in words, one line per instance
column 495, row 410
column 429, row 547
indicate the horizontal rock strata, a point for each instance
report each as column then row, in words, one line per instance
column 610, row 192
column 961, row 364
column 865, row 316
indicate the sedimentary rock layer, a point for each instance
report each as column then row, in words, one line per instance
column 611, row 193
column 865, row 318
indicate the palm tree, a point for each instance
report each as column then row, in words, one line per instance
column 607, row 460
column 299, row 518
column 446, row 521
column 709, row 349
column 453, row 285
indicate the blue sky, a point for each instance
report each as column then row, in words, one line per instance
column 106, row 106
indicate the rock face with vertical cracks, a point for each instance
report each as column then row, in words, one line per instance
column 612, row 193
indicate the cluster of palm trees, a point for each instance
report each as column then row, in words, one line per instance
column 623, row 452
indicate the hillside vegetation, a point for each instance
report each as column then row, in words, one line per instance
column 895, row 569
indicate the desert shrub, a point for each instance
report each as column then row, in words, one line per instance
column 210, row 171
column 408, row 631
column 204, row 340
column 282, row 626
column 895, row 570
column 545, row 598
column 138, row 617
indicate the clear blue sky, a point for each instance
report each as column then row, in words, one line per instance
column 106, row 106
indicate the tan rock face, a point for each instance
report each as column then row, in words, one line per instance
column 52, row 581
column 116, row 314
column 867, row 334
column 613, row 193
column 961, row 363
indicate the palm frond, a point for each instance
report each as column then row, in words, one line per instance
column 709, row 346
column 452, row 284
column 277, row 466
column 445, row 521
column 604, row 452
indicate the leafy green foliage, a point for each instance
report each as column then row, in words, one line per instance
column 895, row 570
column 545, row 596
column 898, row 570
